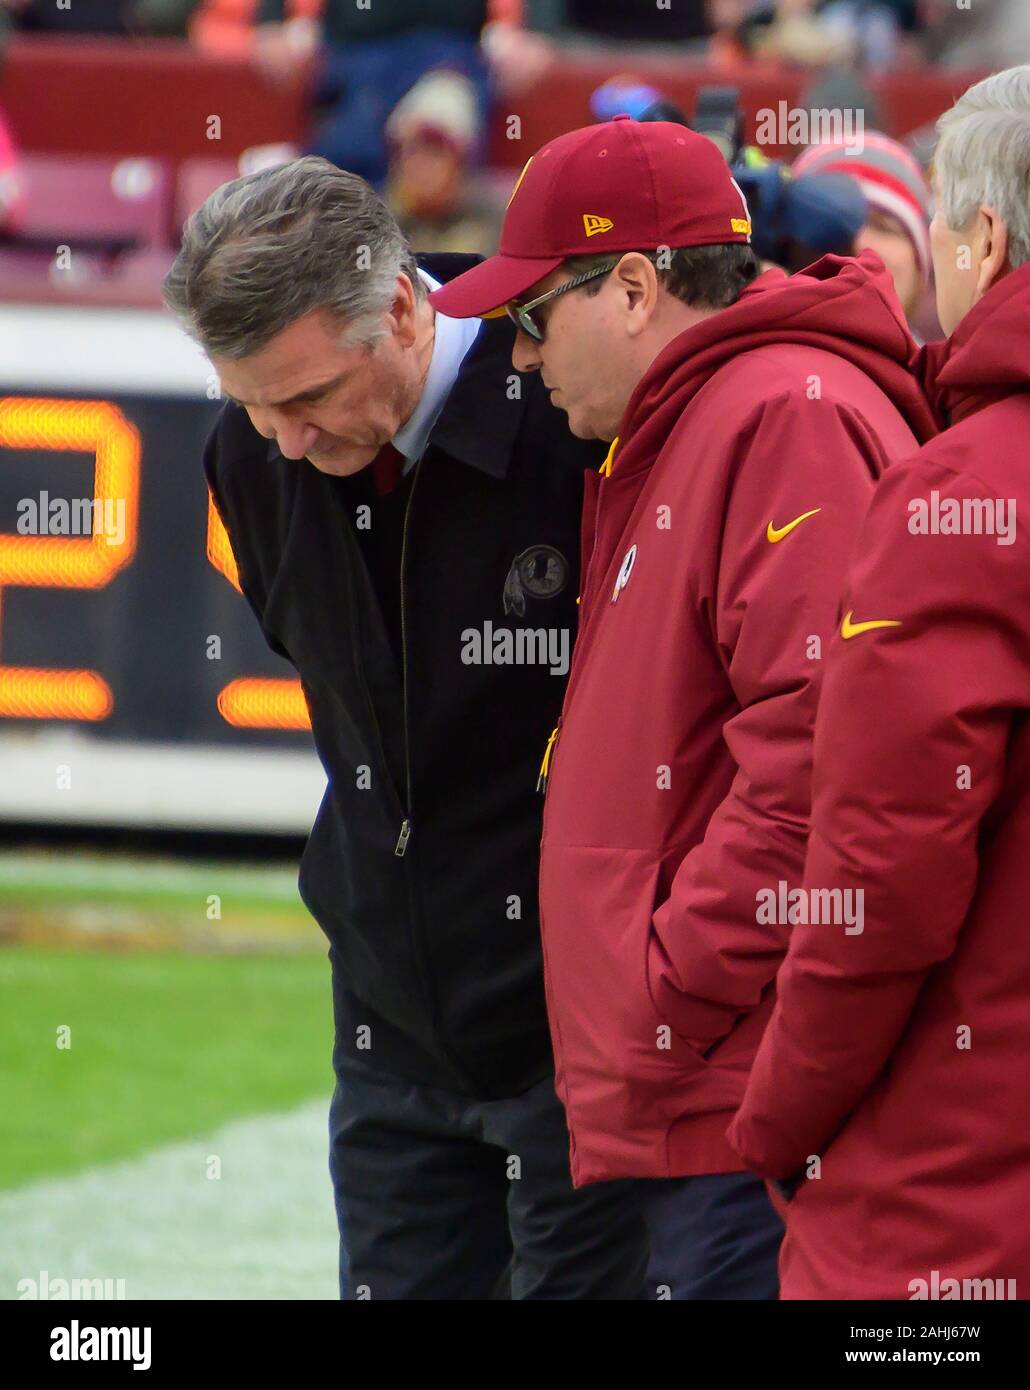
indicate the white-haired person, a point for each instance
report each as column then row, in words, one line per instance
column 889, row 1095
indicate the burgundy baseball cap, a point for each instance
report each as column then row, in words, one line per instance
column 624, row 185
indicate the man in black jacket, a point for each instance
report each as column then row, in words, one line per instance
column 404, row 512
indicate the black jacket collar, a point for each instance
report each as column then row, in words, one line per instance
column 479, row 422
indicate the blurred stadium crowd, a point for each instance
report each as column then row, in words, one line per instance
column 418, row 96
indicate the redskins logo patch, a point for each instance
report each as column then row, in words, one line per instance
column 540, row 571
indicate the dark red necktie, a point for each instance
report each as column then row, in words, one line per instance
column 386, row 469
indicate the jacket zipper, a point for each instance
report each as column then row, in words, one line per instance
column 405, row 831
column 370, row 703
column 545, row 767
column 404, row 836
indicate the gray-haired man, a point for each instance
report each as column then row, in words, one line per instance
column 404, row 511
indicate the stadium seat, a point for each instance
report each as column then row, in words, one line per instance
column 95, row 203
column 198, row 179
column 33, row 276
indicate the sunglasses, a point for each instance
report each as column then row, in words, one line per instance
column 522, row 314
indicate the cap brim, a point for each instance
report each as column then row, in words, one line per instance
column 491, row 284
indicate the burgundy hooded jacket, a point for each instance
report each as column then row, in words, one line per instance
column 900, row 1057
column 678, row 787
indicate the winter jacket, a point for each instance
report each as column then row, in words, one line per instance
column 678, row 783
column 421, row 867
column 894, row 1070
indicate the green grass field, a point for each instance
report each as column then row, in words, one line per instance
column 196, row 999
column 163, row 1047
column 181, row 1016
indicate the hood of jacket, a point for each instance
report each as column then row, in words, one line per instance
column 987, row 357
column 842, row 304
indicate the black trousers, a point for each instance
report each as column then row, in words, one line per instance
column 439, row 1196
column 715, row 1236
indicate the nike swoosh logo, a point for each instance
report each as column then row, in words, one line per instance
column 774, row 533
column 849, row 629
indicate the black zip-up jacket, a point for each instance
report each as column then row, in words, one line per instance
column 421, row 867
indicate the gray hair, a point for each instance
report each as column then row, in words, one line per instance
column 266, row 249
column 983, row 156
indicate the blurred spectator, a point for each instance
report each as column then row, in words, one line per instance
column 639, row 20
column 227, row 27
column 168, row 18
column 871, row 28
column 868, row 33
column 437, row 201
column 94, row 17
column 994, row 34
column 101, row 16
column 792, row 31
column 373, row 57
column 899, row 199
column 518, row 56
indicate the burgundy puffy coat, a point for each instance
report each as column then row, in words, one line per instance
column 714, row 554
column 899, row 1056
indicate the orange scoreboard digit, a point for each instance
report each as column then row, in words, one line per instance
column 88, row 562
column 132, row 540
column 251, row 702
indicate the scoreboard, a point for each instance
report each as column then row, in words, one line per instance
column 135, row 686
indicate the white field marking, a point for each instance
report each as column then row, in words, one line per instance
column 265, row 1230
column 139, row 876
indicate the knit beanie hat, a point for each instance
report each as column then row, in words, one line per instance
column 890, row 178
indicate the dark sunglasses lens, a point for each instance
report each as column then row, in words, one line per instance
column 523, row 318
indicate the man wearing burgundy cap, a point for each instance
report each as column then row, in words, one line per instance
column 404, row 512
column 748, row 418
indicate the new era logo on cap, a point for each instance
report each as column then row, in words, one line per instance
column 660, row 184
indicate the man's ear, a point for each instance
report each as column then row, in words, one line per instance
column 995, row 261
column 637, row 279
column 403, row 311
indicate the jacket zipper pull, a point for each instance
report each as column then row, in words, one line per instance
column 403, row 838
column 606, row 468
column 545, row 766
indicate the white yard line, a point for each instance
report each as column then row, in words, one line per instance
column 264, row 1230
column 137, row 877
